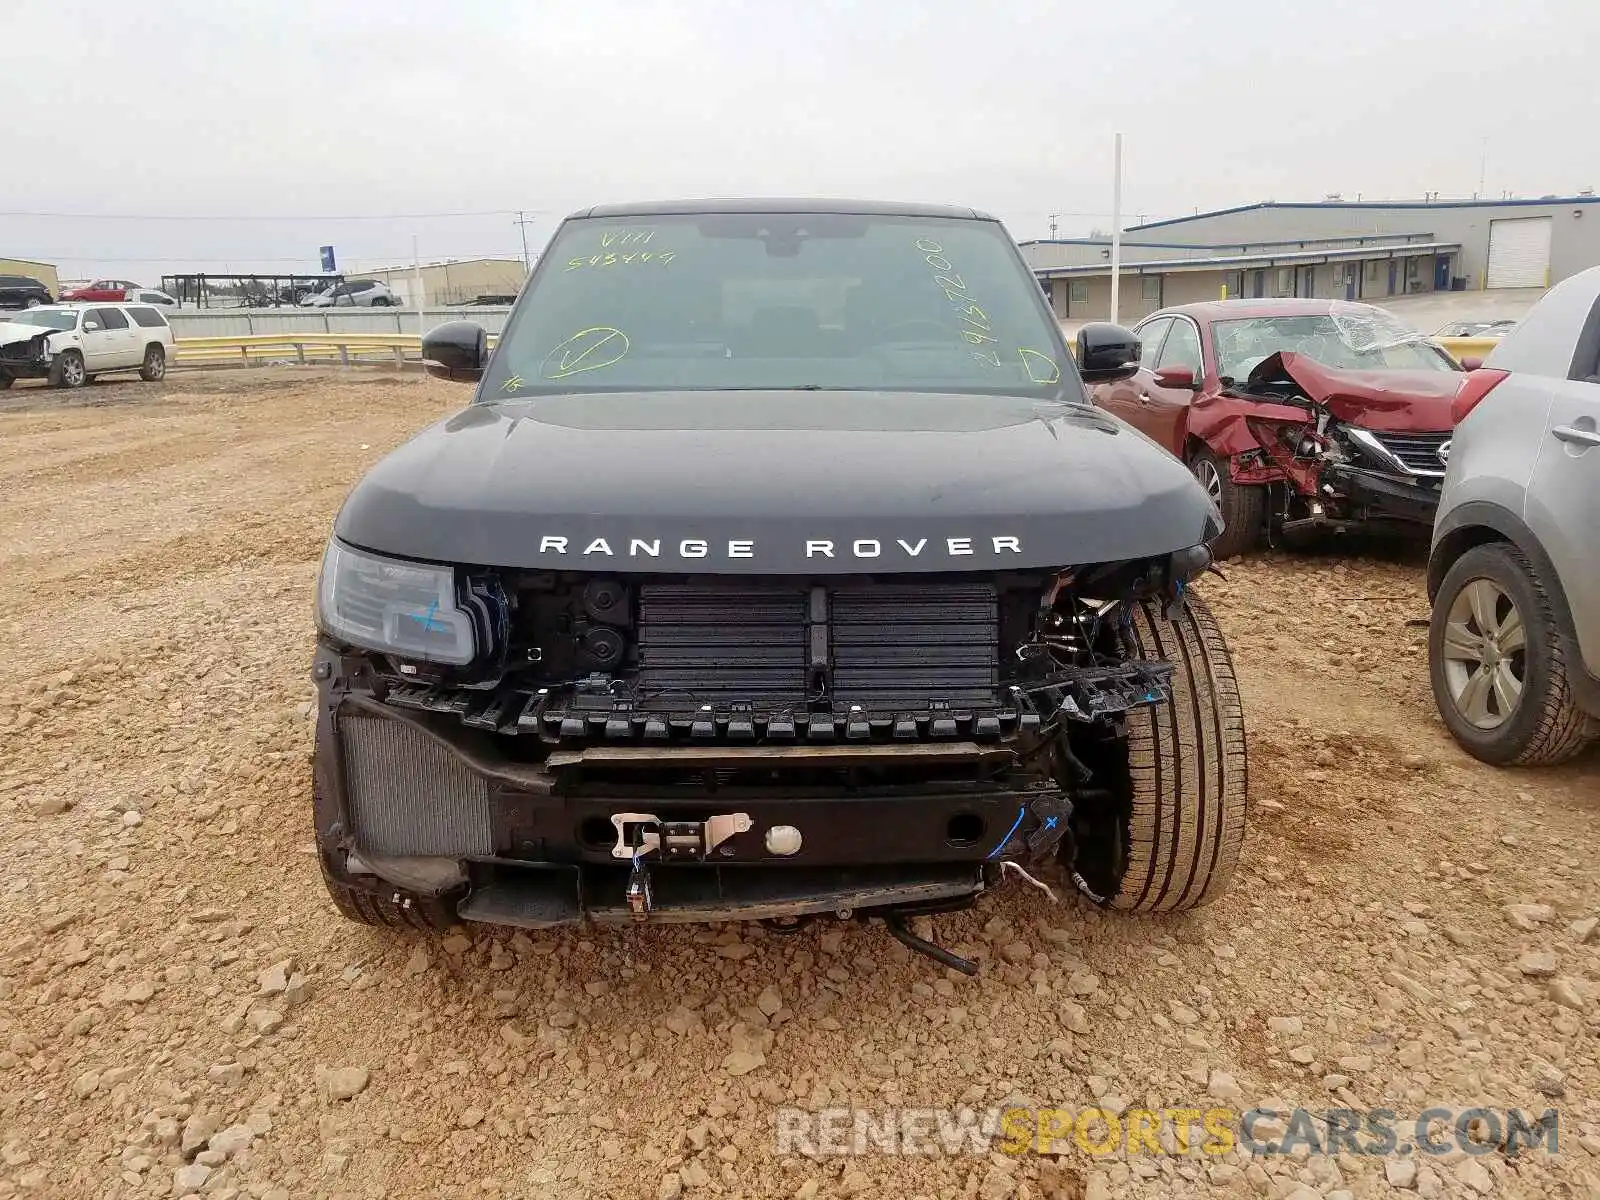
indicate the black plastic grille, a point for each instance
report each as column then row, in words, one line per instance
column 888, row 646
column 1419, row 451
column 720, row 643
column 903, row 646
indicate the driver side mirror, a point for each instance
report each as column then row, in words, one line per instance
column 1471, row 363
column 457, row 351
column 1177, row 377
column 90, row 326
column 1106, row 352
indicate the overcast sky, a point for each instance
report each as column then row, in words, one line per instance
column 260, row 123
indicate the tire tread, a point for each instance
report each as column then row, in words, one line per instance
column 1187, row 768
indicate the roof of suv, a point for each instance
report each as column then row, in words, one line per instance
column 876, row 208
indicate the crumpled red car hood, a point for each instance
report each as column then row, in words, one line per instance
column 1389, row 401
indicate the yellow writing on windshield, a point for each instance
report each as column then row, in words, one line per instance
column 587, row 350
column 1041, row 368
column 615, row 259
column 974, row 322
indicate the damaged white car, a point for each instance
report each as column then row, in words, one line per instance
column 70, row 344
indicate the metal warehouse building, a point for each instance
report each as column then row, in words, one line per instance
column 1333, row 249
column 457, row 282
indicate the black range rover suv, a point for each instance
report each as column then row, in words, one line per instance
column 777, row 568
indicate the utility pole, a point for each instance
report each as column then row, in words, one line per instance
column 524, row 221
column 1116, row 226
column 1053, row 217
column 1483, row 167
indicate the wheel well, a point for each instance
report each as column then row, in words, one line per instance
column 1192, row 446
column 149, row 346
column 1452, row 546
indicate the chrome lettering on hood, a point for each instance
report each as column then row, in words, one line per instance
column 747, row 548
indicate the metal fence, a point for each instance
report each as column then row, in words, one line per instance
column 245, row 322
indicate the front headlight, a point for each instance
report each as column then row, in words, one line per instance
column 405, row 609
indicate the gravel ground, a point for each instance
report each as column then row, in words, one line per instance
column 182, row 1010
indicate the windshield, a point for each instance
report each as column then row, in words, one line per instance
column 781, row 301
column 1356, row 338
column 47, row 317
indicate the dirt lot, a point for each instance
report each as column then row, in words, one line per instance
column 171, row 971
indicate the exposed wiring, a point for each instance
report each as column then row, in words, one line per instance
column 1019, row 869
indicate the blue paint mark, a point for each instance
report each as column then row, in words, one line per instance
column 429, row 625
column 1050, row 822
column 1021, row 811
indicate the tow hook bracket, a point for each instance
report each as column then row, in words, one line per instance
column 639, row 834
column 675, row 841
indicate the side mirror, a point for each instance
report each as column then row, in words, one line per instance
column 1106, row 352
column 1471, row 362
column 457, row 351
column 90, row 326
column 1177, row 377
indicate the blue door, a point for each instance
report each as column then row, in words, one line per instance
column 1394, row 270
column 1441, row 273
column 1350, row 282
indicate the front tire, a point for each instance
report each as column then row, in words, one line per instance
column 368, row 900
column 154, row 368
column 1497, row 664
column 1171, row 840
column 1243, row 506
column 68, row 371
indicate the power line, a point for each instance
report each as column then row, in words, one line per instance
column 67, row 216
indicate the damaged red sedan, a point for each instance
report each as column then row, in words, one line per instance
column 1297, row 415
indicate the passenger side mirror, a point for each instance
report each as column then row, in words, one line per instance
column 1106, row 352
column 457, row 351
column 1177, row 377
column 1471, row 363
column 90, row 326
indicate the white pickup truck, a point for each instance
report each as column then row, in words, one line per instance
column 69, row 344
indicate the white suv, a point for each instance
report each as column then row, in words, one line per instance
column 69, row 344
column 359, row 293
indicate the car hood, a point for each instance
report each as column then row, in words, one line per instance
column 777, row 482
column 16, row 331
column 1388, row 401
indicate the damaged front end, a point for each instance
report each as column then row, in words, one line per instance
column 24, row 357
column 1364, row 442
column 540, row 747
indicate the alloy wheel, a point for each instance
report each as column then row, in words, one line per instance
column 1485, row 654
column 1206, row 472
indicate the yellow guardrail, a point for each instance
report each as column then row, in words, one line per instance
column 344, row 348
column 1468, row 347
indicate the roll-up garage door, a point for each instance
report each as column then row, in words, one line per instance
column 1519, row 252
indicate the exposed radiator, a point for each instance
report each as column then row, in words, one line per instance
column 886, row 646
column 408, row 794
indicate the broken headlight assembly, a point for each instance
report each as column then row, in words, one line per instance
column 407, row 609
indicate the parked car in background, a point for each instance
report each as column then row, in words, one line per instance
column 69, row 344
column 152, row 296
column 23, row 291
column 367, row 293
column 101, row 290
column 1477, row 329
column 1514, row 574
column 297, row 290
column 1297, row 415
